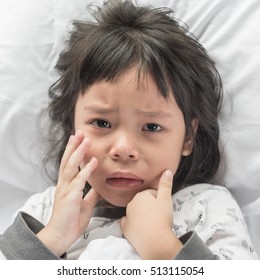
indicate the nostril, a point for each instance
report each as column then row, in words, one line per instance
column 123, row 156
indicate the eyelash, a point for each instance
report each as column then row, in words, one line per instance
column 157, row 129
column 149, row 127
column 97, row 123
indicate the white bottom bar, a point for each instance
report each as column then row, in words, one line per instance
column 45, row 270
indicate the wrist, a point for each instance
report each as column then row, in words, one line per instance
column 165, row 246
column 55, row 243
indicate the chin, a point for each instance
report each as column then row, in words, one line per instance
column 116, row 202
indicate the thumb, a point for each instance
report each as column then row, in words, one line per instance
column 165, row 185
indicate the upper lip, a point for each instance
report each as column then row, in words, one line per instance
column 124, row 175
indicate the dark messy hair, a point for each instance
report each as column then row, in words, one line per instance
column 122, row 35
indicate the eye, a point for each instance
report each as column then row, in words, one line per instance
column 101, row 124
column 152, row 127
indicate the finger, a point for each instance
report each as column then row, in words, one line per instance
column 84, row 174
column 165, row 185
column 92, row 198
column 153, row 192
column 73, row 143
column 71, row 169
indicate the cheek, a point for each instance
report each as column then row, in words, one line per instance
column 169, row 159
column 94, row 151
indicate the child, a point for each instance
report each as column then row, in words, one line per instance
column 136, row 104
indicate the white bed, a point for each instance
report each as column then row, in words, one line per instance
column 31, row 36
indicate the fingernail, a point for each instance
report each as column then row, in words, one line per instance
column 86, row 141
column 168, row 175
column 93, row 163
column 78, row 132
column 70, row 139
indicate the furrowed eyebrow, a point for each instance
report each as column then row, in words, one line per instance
column 153, row 114
column 99, row 110
column 149, row 114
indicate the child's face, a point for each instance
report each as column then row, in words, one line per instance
column 135, row 134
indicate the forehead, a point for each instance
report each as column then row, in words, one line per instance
column 131, row 84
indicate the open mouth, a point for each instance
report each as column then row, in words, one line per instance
column 121, row 179
column 124, row 182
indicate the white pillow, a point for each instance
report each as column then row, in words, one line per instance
column 32, row 35
column 229, row 30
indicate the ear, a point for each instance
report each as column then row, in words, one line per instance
column 189, row 141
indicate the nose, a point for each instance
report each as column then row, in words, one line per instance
column 124, row 148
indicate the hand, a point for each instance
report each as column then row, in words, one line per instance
column 148, row 222
column 71, row 213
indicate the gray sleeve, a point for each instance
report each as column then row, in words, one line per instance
column 194, row 248
column 19, row 241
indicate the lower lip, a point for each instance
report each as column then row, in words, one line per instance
column 124, row 183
